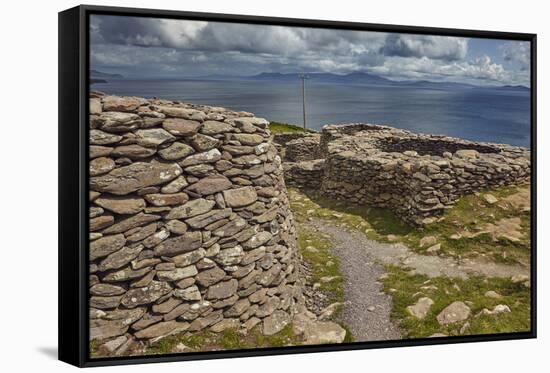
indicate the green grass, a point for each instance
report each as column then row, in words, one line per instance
column 470, row 213
column 277, row 127
column 194, row 341
column 285, row 337
column 318, row 262
column 94, row 348
column 407, row 290
column 229, row 339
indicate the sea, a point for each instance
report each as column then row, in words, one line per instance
column 500, row 115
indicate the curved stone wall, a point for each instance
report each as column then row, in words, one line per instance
column 418, row 176
column 190, row 226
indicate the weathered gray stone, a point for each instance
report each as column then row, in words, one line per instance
column 153, row 137
column 162, row 329
column 101, row 165
column 175, row 185
column 122, row 104
column 131, row 222
column 145, row 295
column 214, row 128
column 120, row 258
column 133, row 151
column 276, row 322
column 180, row 244
column 106, row 290
column 121, row 205
column 190, row 293
column 210, row 217
column 231, row 228
column 238, row 308
column 421, row 308
column 163, row 199
column 248, row 139
column 454, row 312
column 98, row 137
column 106, row 245
column 176, row 151
column 224, row 325
column 181, row 127
column 210, row 185
column 209, row 156
column 130, row 178
column 240, row 197
column 210, row 277
column 187, row 259
column 176, row 226
column 177, row 274
column 257, row 240
column 203, row 143
column 190, row 209
column 222, row 290
column 119, row 122
column 206, row 321
column 229, row 257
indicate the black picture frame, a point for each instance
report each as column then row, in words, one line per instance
column 73, row 183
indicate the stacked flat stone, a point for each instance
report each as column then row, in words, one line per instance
column 303, row 149
column 418, row 176
column 190, row 226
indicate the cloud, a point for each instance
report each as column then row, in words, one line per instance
column 477, row 70
column 517, row 51
column 151, row 47
column 436, row 47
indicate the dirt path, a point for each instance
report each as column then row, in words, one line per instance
column 429, row 265
column 367, row 308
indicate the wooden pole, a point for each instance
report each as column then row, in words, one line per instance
column 304, row 98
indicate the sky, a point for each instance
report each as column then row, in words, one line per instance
column 149, row 48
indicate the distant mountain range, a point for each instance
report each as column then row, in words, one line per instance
column 351, row 78
column 100, row 75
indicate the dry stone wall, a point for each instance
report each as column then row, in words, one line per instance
column 190, row 226
column 416, row 175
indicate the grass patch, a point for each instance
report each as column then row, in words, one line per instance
column 470, row 214
column 167, row 345
column 277, row 127
column 406, row 289
column 229, row 339
column 315, row 249
column 285, row 337
column 94, row 348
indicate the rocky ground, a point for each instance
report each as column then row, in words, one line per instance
column 391, row 281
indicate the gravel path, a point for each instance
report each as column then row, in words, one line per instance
column 367, row 308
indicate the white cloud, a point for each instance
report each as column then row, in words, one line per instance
column 192, row 48
column 436, row 47
column 517, row 51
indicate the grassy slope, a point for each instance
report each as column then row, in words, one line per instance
column 378, row 224
column 406, row 289
column 277, row 127
column 470, row 213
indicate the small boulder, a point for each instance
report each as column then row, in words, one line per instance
column 421, row 308
column 454, row 312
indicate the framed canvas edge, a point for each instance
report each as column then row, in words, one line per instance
column 73, row 107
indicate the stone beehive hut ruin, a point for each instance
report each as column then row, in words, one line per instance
column 418, row 176
column 190, row 223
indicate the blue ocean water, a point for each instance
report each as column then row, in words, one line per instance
column 474, row 113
